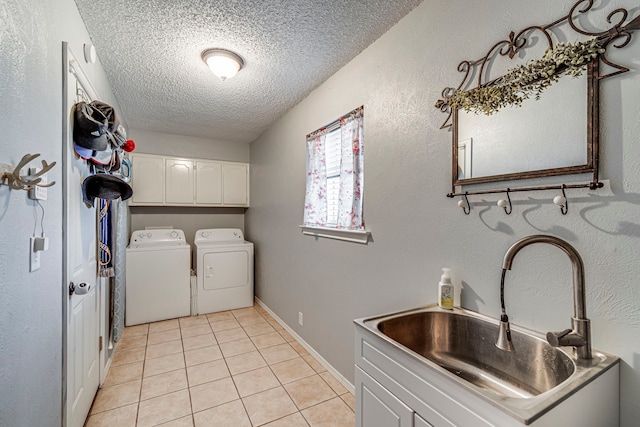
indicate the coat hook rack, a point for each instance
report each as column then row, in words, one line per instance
column 464, row 204
column 503, row 203
column 11, row 174
column 561, row 201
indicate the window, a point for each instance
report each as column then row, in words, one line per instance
column 335, row 176
column 333, row 155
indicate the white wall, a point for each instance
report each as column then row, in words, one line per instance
column 187, row 219
column 417, row 230
column 188, row 146
column 31, row 37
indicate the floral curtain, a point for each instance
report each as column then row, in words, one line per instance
column 315, row 204
column 351, row 174
column 350, row 201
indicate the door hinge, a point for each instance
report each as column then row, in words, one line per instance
column 99, row 344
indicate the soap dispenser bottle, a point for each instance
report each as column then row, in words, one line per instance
column 445, row 290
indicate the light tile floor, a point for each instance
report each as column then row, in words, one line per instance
column 230, row 369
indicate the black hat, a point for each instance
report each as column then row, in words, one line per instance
column 109, row 113
column 90, row 127
column 104, row 186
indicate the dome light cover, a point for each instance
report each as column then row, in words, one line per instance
column 223, row 63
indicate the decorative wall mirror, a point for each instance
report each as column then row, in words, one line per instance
column 529, row 108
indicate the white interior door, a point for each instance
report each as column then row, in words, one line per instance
column 82, row 311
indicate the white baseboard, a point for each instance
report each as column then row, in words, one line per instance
column 333, row 371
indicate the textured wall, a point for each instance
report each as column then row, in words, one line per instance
column 31, row 36
column 188, row 219
column 285, row 56
column 180, row 145
column 417, row 230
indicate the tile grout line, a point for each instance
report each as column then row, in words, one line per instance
column 234, row 382
column 281, row 384
column 237, row 318
column 350, row 387
column 186, row 374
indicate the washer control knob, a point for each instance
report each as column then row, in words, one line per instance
column 204, row 234
column 174, row 234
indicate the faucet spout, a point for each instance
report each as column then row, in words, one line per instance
column 579, row 336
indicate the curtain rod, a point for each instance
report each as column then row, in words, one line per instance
column 353, row 114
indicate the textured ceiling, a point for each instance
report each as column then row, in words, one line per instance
column 151, row 50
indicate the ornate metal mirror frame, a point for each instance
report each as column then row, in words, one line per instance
column 620, row 33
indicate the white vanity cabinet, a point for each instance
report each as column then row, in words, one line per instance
column 377, row 406
column 395, row 389
column 170, row 181
column 419, row 422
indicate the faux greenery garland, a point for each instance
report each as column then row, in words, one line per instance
column 530, row 79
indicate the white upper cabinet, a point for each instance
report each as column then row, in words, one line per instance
column 178, row 174
column 208, row 182
column 148, row 176
column 170, row 181
column 235, row 184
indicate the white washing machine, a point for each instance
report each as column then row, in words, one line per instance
column 224, row 270
column 158, row 276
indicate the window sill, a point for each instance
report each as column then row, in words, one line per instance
column 338, row 234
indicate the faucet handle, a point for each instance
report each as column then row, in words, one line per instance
column 565, row 338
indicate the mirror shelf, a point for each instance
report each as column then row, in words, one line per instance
column 480, row 146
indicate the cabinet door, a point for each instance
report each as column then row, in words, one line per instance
column 377, row 407
column 208, row 182
column 420, row 422
column 147, row 179
column 235, row 184
column 179, row 181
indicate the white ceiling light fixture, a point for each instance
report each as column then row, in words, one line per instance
column 223, row 63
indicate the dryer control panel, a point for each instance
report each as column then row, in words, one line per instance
column 219, row 235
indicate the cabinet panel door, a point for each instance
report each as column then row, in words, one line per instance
column 147, row 179
column 420, row 422
column 208, row 182
column 235, row 184
column 179, row 181
column 377, row 407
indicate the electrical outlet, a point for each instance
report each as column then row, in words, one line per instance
column 34, row 256
column 300, row 318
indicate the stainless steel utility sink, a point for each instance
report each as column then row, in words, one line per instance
column 461, row 345
column 464, row 346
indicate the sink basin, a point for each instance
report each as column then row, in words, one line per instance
column 460, row 344
column 464, row 345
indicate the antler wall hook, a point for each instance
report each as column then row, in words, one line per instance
column 25, row 182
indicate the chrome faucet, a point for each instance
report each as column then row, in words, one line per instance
column 579, row 336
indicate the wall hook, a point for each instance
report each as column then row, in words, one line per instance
column 503, row 203
column 464, row 204
column 561, row 201
column 25, row 182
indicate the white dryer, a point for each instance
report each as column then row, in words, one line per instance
column 224, row 270
column 158, row 276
